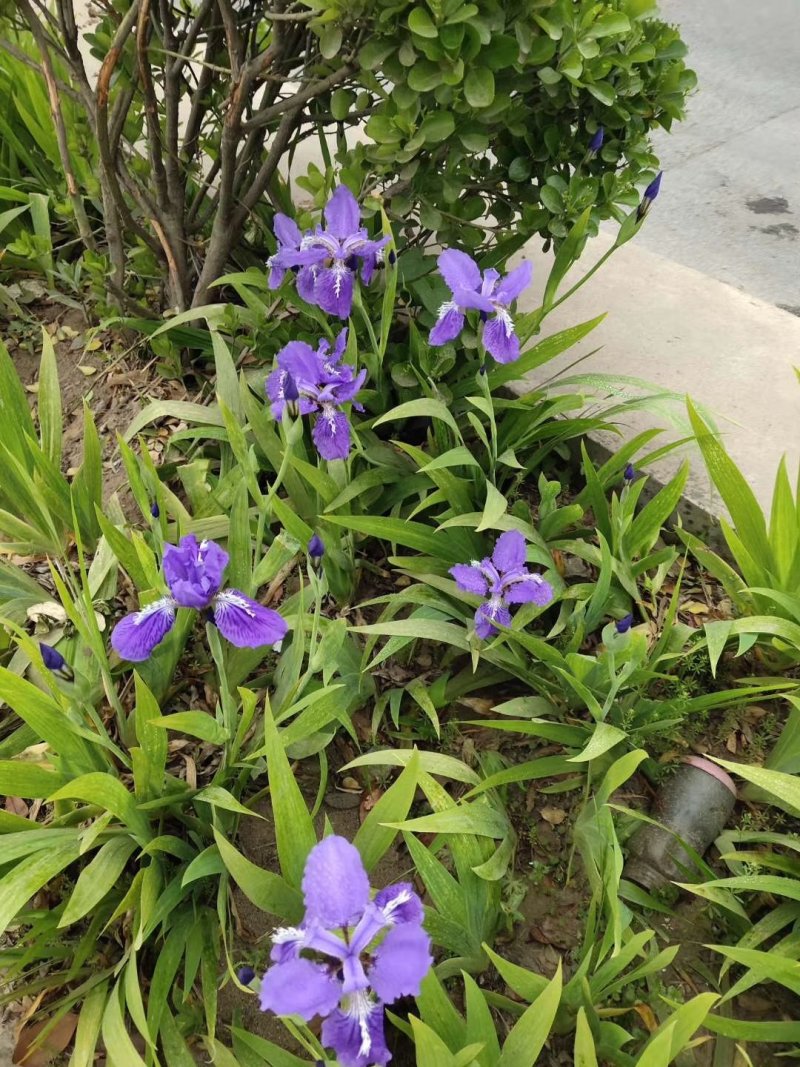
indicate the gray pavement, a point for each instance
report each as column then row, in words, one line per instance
column 730, row 199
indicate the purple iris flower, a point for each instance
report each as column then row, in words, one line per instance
column 629, row 473
column 624, row 624
column 488, row 294
column 504, row 579
column 316, row 547
column 329, row 258
column 193, row 571
column 323, row 385
column 349, row 956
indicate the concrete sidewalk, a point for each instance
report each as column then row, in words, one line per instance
column 730, row 200
column 685, row 331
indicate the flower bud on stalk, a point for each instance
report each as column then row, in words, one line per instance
column 55, row 662
column 316, row 549
column 650, row 193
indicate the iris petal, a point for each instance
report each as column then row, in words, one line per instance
column 342, row 215
column 335, row 884
column 459, row 270
column 245, row 622
column 299, row 987
column 509, row 551
column 469, row 578
column 135, row 636
column 401, row 962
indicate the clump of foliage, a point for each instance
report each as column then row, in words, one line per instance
column 364, row 519
column 292, row 469
column 478, row 118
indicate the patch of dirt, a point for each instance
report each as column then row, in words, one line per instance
column 116, row 378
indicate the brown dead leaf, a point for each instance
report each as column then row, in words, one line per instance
column 645, row 1013
column 191, row 771
column 55, row 1042
column 695, row 607
column 369, row 802
column 17, row 806
column 555, row 816
column 730, row 743
column 753, row 713
column 480, row 705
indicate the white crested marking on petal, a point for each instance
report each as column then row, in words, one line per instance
column 340, row 270
column 389, row 908
column 165, row 605
column 359, row 1006
column 494, row 604
column 448, row 305
column 287, row 933
column 507, row 321
column 230, row 599
column 319, row 240
column 519, row 578
column 329, row 414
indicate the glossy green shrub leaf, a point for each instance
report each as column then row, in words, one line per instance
column 420, row 22
column 479, row 87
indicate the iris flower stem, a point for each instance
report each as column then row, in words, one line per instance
column 581, row 281
column 483, row 384
column 228, row 711
column 286, row 433
column 376, row 371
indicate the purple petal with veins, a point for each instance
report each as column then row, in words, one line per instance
column 499, row 338
column 509, row 551
column 245, row 622
column 136, row 636
column 459, row 270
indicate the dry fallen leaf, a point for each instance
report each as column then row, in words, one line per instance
column 480, row 705
column 87, row 369
column 369, row 802
column 54, row 1043
column 17, row 806
column 94, row 344
column 48, row 609
column 555, row 816
column 695, row 607
column 645, row 1013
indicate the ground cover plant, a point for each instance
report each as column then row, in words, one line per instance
column 323, row 736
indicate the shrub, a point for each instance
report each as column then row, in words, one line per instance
column 479, row 118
